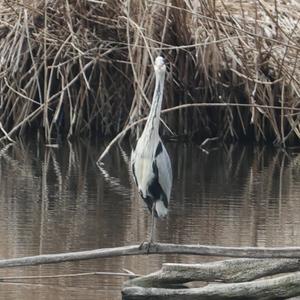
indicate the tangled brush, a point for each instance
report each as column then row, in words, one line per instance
column 85, row 67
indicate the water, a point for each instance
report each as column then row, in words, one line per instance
column 58, row 200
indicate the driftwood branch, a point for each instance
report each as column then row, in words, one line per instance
column 275, row 288
column 235, row 270
column 240, row 279
column 159, row 248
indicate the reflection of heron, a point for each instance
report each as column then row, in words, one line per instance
column 150, row 162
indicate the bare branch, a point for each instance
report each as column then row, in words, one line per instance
column 159, row 248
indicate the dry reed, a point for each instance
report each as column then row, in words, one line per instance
column 84, row 67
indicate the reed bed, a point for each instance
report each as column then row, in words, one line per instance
column 85, row 67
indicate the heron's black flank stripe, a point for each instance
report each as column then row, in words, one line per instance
column 156, row 187
column 155, row 191
column 158, row 149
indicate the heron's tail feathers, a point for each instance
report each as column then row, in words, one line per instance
column 161, row 209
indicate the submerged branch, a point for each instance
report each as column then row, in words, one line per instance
column 83, row 274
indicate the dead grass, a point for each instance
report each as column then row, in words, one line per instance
column 84, row 67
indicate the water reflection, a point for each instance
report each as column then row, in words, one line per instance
column 57, row 200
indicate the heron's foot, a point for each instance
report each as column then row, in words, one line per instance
column 142, row 245
column 146, row 245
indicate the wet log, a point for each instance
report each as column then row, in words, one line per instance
column 275, row 288
column 235, row 270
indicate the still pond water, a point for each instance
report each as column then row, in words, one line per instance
column 58, row 200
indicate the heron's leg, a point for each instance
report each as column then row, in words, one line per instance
column 152, row 229
column 151, row 232
column 153, row 224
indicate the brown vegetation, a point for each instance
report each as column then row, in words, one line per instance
column 84, row 67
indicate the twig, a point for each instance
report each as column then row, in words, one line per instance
column 5, row 133
column 20, row 94
column 209, row 140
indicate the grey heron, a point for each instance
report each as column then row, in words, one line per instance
column 150, row 162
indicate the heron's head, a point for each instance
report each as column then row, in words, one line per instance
column 159, row 65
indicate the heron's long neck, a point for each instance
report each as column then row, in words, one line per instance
column 152, row 124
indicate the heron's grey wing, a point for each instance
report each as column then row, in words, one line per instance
column 164, row 169
column 132, row 160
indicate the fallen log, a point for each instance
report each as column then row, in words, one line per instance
column 275, row 288
column 159, row 248
column 284, row 286
column 235, row 270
